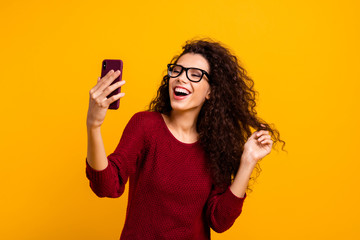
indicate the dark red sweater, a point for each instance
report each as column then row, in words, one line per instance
column 171, row 194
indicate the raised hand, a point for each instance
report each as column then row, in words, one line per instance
column 98, row 103
column 257, row 147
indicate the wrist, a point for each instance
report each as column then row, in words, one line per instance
column 247, row 163
column 92, row 128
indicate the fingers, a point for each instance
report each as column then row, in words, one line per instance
column 99, row 82
column 261, row 132
column 264, row 138
column 258, row 134
column 111, row 88
column 261, row 135
column 112, row 99
column 106, row 80
column 266, row 142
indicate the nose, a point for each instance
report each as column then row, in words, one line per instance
column 182, row 77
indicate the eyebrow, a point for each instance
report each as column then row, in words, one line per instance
column 192, row 67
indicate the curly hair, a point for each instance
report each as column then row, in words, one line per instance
column 225, row 119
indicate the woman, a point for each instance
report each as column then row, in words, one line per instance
column 190, row 156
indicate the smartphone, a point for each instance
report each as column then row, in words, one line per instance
column 114, row 64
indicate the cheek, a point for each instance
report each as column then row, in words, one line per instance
column 203, row 91
column 169, row 86
column 200, row 95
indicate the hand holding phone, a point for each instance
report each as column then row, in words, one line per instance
column 100, row 98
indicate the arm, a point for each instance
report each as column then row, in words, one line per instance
column 223, row 208
column 97, row 170
column 96, row 156
column 257, row 147
column 238, row 187
column 108, row 175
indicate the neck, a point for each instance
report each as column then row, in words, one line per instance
column 184, row 122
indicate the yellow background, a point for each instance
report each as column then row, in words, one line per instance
column 302, row 55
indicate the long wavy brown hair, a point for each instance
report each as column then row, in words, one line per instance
column 225, row 120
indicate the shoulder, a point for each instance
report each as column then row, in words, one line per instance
column 144, row 124
column 146, row 118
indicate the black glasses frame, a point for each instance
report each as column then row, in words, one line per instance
column 186, row 70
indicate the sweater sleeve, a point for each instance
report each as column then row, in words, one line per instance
column 110, row 182
column 223, row 208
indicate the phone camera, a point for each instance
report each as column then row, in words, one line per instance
column 104, row 65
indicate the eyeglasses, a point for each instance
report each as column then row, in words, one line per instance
column 193, row 74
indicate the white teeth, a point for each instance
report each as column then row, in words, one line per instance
column 181, row 90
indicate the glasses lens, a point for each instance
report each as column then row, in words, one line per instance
column 194, row 74
column 174, row 70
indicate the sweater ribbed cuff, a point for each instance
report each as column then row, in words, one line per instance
column 239, row 199
column 98, row 176
column 232, row 204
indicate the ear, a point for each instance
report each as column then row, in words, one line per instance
column 208, row 95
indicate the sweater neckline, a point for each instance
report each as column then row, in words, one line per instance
column 172, row 135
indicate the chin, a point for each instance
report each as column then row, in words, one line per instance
column 176, row 107
column 183, row 107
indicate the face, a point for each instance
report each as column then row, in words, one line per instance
column 197, row 91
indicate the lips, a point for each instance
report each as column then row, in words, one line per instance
column 181, row 90
column 180, row 93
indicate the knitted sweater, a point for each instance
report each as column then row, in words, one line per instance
column 171, row 193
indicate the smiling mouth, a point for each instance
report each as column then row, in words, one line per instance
column 181, row 92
